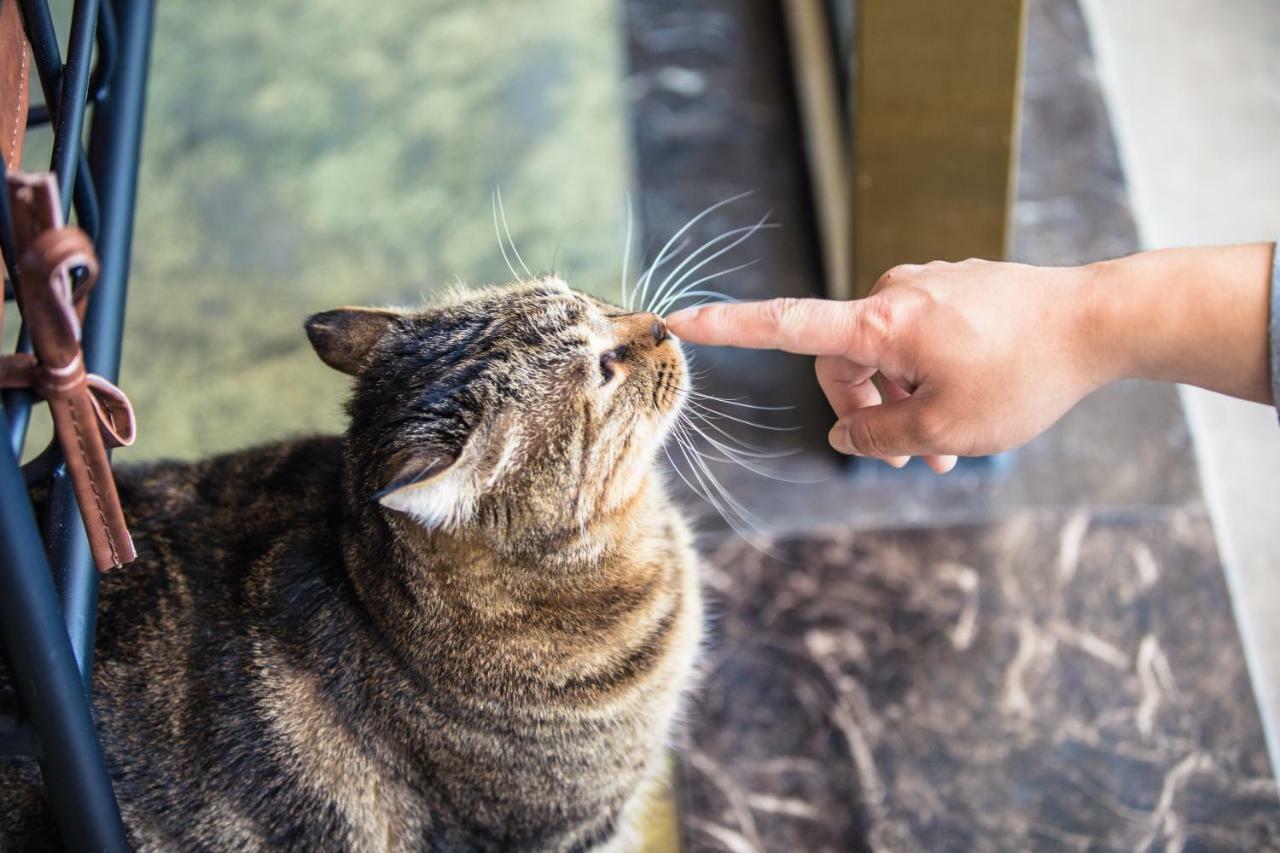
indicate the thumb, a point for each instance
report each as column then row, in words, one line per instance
column 884, row 431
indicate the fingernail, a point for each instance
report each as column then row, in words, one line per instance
column 897, row 461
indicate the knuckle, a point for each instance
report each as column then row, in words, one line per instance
column 782, row 313
column 931, row 429
column 896, row 274
column 880, row 317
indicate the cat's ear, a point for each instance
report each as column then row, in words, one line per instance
column 440, row 489
column 432, row 487
column 344, row 337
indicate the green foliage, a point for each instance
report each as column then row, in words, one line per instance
column 300, row 156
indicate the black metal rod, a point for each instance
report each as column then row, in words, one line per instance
column 48, row 681
column 74, row 575
column 44, row 49
column 114, row 145
column 17, row 404
column 73, row 90
column 100, row 83
column 49, row 647
column 7, row 245
column 38, row 114
column 86, row 198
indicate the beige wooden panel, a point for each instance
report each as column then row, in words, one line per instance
column 935, row 119
column 826, row 136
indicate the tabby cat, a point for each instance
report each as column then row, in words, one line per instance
column 466, row 624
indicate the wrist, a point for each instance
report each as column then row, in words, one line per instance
column 1105, row 323
column 1198, row 316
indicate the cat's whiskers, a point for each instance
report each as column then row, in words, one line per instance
column 675, row 278
column 645, row 280
column 713, row 492
column 704, row 408
column 737, row 401
column 737, row 447
column 637, row 294
column 745, row 531
column 626, row 252
column 497, row 192
column 687, row 291
column 502, row 246
column 742, row 459
column 730, row 456
column 739, row 452
column 677, row 272
column 697, row 436
column 740, row 519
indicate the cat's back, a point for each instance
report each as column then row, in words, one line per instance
column 181, row 630
column 206, row 534
column 204, row 529
column 232, row 500
column 176, row 628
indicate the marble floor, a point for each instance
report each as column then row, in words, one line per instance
column 1029, row 684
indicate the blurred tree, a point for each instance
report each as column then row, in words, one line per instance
column 304, row 155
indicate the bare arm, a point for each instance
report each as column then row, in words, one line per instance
column 980, row 357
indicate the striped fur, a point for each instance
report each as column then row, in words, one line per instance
column 464, row 625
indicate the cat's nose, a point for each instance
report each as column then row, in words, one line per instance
column 641, row 329
column 659, row 330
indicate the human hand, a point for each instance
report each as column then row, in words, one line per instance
column 973, row 358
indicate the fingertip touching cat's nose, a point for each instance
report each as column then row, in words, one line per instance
column 659, row 330
column 641, row 328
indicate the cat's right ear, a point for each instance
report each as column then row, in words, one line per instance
column 344, row 337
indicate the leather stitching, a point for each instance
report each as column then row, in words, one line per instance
column 22, row 79
column 93, row 485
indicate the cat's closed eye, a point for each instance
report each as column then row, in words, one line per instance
column 609, row 364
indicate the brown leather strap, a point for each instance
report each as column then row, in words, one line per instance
column 15, row 67
column 89, row 413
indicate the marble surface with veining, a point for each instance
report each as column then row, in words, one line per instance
column 1054, row 681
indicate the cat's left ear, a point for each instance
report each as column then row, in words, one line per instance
column 441, row 488
column 344, row 337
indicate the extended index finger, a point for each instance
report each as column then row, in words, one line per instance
column 804, row 326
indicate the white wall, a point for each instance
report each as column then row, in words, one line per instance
column 1194, row 91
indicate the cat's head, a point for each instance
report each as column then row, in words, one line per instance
column 526, row 404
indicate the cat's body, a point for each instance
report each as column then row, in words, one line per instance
column 300, row 661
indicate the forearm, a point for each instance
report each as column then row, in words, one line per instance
column 1197, row 316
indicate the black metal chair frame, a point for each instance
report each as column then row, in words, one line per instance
column 48, row 584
